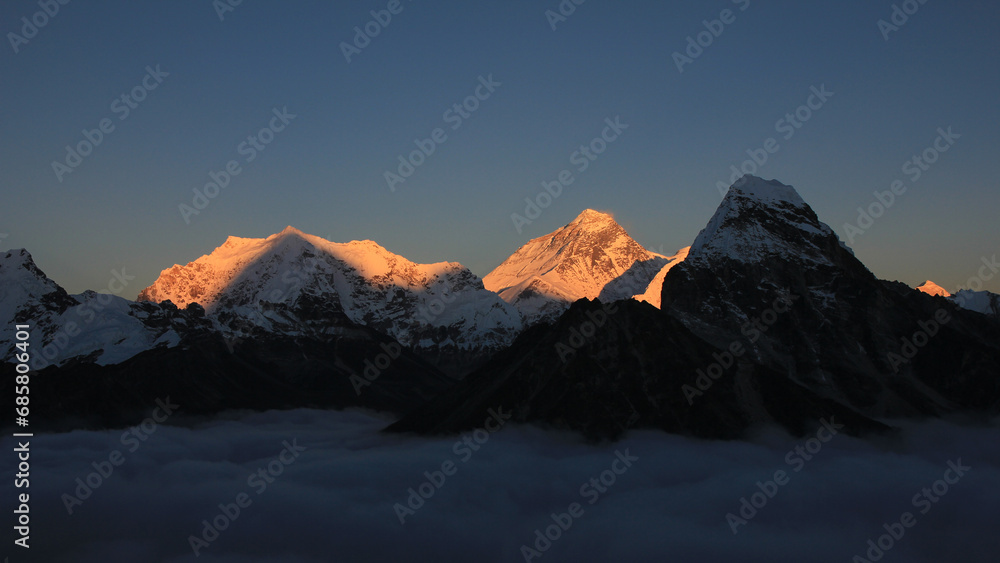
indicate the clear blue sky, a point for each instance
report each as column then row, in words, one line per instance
column 323, row 173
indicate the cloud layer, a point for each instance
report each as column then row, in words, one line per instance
column 335, row 501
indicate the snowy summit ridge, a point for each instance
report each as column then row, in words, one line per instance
column 280, row 282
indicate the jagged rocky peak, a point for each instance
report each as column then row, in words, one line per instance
column 17, row 259
column 763, row 240
column 15, row 256
column 22, row 281
column 763, row 218
column 590, row 257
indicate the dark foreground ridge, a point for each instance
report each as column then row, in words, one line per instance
column 604, row 369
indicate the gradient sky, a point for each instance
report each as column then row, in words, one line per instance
column 324, row 172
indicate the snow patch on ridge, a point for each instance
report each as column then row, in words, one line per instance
column 654, row 291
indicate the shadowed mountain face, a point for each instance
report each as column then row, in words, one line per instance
column 206, row 375
column 604, row 369
column 846, row 334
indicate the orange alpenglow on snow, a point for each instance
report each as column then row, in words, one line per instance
column 591, row 257
column 931, row 288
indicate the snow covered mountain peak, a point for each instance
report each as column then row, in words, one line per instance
column 18, row 262
column 14, row 257
column 931, row 288
column 579, row 260
column 765, row 191
column 289, row 230
column 293, row 282
column 592, row 218
column 759, row 219
column 22, row 281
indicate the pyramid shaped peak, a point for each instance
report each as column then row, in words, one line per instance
column 593, row 216
column 293, row 236
column 932, row 288
column 760, row 218
column 290, row 230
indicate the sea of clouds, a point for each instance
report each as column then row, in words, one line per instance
column 335, row 501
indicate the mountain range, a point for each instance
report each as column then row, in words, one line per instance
column 767, row 318
column 983, row 302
